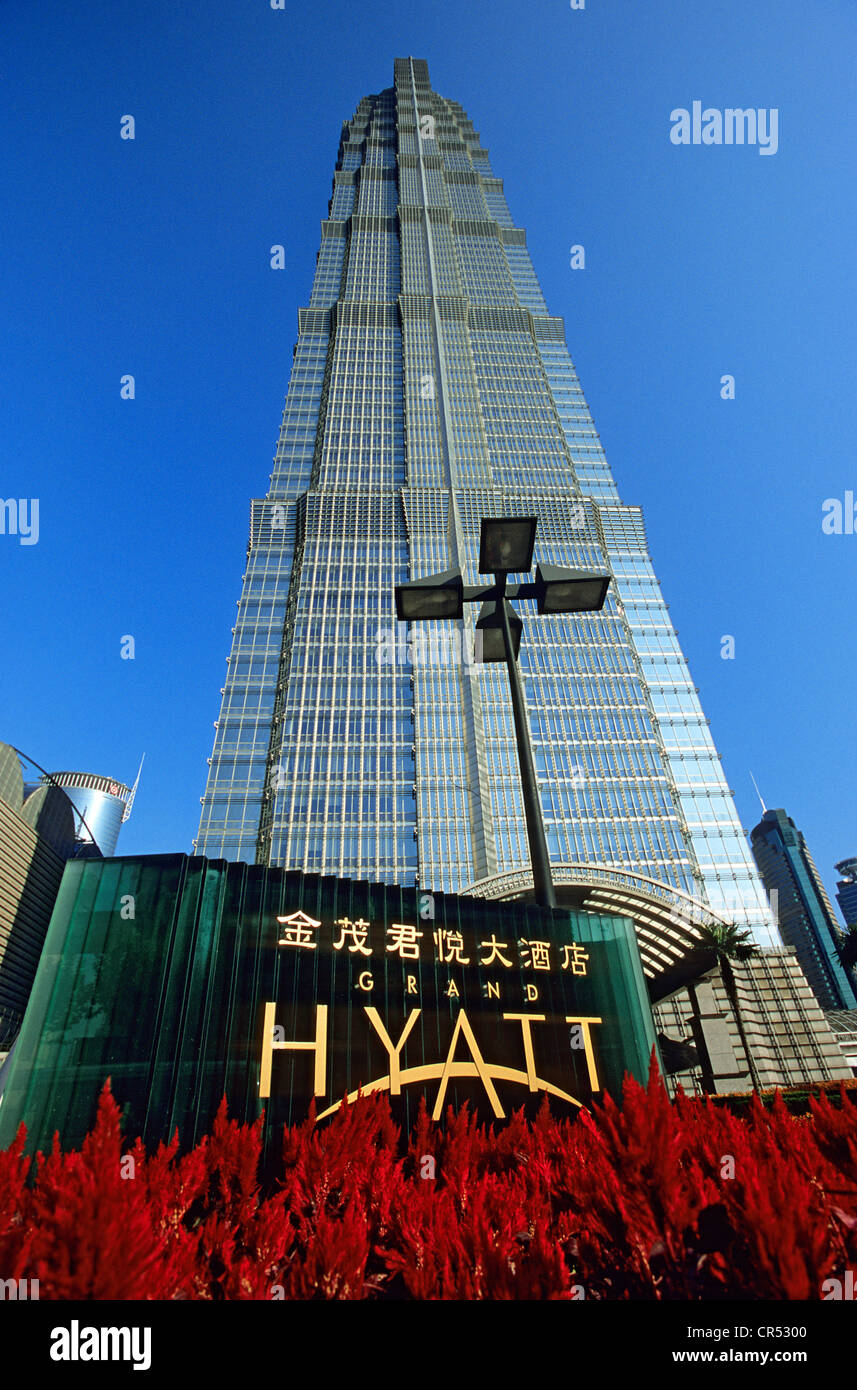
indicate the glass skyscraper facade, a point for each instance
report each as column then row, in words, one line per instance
column 431, row 387
column 805, row 913
column 846, row 890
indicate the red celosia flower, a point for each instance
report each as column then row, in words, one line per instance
column 653, row 1199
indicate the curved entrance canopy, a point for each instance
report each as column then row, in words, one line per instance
column 667, row 920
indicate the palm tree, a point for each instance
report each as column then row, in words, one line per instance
column 846, row 949
column 732, row 943
column 847, row 946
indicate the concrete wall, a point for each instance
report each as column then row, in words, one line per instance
column 789, row 1037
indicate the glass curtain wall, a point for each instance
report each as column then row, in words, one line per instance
column 432, row 387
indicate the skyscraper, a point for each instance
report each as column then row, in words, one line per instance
column 45, row 820
column 846, row 889
column 806, row 918
column 102, row 805
column 431, row 387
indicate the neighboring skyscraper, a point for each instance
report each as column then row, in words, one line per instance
column 37, row 836
column 806, row 919
column 432, row 387
column 44, row 821
column 846, row 890
column 103, row 805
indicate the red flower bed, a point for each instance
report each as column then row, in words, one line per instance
column 657, row 1200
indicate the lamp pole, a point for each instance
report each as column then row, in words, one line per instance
column 506, row 547
column 542, row 880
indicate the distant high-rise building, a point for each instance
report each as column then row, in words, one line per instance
column 102, row 804
column 45, row 820
column 806, row 918
column 846, row 890
column 37, row 836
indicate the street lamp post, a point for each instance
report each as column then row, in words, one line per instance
column 506, row 547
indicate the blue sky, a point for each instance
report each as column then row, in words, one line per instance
column 151, row 257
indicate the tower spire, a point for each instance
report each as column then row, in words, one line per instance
column 758, row 793
column 130, row 802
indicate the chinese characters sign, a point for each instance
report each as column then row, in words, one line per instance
column 300, row 931
column 281, row 990
column 454, row 996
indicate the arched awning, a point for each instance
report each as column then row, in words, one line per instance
column 667, row 920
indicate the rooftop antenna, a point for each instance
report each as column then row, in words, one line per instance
column 130, row 802
column 758, row 793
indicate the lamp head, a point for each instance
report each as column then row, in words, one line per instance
column 506, row 544
column 436, row 596
column 561, row 590
column 489, row 632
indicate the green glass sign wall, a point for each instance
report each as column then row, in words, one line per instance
column 185, row 979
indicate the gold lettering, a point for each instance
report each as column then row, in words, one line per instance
column 358, row 931
column 449, row 945
column 269, row 1046
column 492, row 989
column 298, row 929
column 365, row 981
column 531, row 993
column 587, row 1047
column 405, row 940
column 462, row 1025
column 497, row 949
column 394, row 1050
column 451, row 990
column 525, row 1020
column 574, row 958
column 535, row 954
column 412, row 984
